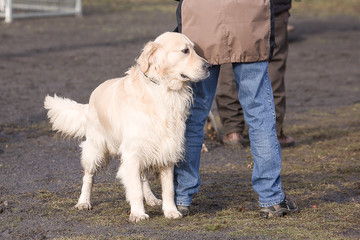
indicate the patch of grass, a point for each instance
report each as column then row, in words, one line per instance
column 108, row 201
column 325, row 8
column 87, row 237
column 214, row 227
column 14, row 130
column 322, row 172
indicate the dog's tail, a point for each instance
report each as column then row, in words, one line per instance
column 66, row 115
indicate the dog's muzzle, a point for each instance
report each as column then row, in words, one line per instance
column 206, row 71
column 207, row 66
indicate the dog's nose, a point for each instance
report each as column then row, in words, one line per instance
column 207, row 66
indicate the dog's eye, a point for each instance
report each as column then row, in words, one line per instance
column 186, row 50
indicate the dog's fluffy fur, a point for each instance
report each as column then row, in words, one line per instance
column 140, row 117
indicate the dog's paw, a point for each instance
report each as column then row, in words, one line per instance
column 173, row 214
column 83, row 206
column 135, row 217
column 153, row 202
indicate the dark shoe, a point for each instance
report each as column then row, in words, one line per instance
column 286, row 141
column 231, row 139
column 286, row 207
column 184, row 210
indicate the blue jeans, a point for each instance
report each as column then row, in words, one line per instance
column 256, row 98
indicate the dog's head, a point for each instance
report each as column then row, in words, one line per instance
column 172, row 60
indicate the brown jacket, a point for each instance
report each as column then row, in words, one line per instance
column 228, row 31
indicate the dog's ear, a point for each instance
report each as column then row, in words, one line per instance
column 150, row 55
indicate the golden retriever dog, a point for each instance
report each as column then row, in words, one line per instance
column 140, row 118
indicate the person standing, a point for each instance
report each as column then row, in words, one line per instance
column 229, row 108
column 237, row 32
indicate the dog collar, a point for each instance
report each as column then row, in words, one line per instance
column 153, row 80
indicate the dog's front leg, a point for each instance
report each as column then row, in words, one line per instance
column 129, row 174
column 167, row 185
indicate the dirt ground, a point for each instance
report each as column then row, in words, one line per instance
column 71, row 56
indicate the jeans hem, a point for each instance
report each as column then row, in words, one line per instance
column 183, row 204
column 272, row 203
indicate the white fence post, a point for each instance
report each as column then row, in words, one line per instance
column 8, row 11
column 78, row 7
column 2, row 5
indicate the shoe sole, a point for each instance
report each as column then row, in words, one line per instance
column 278, row 213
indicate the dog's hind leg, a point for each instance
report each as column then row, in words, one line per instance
column 150, row 198
column 167, row 185
column 92, row 155
column 129, row 173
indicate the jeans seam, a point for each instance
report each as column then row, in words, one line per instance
column 276, row 147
